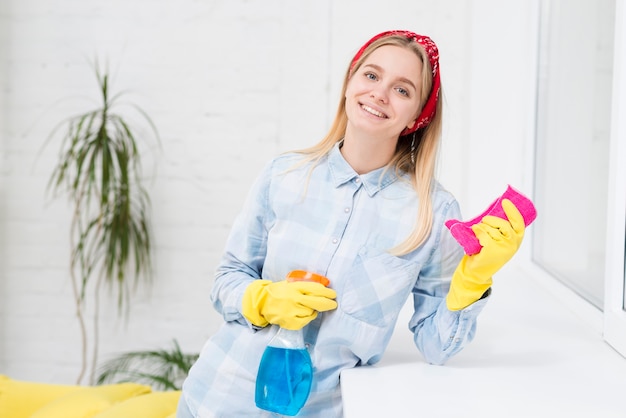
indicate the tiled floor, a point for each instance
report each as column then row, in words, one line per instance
column 538, row 353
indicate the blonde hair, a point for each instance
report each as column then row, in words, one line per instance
column 421, row 172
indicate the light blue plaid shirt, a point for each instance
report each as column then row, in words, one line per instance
column 341, row 225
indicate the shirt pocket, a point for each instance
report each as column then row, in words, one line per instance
column 376, row 287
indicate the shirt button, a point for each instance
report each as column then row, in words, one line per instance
column 335, row 240
column 346, row 210
column 357, row 180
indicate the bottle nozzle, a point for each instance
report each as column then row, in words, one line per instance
column 306, row 276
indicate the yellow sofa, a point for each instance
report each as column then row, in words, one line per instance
column 22, row 399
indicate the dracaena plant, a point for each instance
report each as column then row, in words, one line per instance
column 99, row 170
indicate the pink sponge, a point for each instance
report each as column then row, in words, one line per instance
column 462, row 231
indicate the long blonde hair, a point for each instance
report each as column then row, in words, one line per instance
column 426, row 141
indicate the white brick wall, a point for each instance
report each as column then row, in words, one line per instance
column 229, row 84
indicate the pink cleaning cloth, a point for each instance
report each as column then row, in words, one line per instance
column 462, row 231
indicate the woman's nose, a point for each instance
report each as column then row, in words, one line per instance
column 379, row 93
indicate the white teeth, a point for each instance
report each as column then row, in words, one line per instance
column 373, row 112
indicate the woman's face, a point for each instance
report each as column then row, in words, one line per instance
column 382, row 96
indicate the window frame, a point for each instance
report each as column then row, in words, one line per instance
column 615, row 278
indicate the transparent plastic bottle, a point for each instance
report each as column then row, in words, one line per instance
column 285, row 373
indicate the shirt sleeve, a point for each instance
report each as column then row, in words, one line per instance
column 438, row 332
column 245, row 250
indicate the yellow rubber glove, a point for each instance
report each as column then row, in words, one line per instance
column 290, row 305
column 500, row 239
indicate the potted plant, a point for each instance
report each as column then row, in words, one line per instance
column 99, row 170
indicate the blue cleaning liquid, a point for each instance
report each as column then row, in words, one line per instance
column 284, row 380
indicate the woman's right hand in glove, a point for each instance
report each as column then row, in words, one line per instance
column 290, row 305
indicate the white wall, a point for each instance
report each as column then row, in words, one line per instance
column 229, row 84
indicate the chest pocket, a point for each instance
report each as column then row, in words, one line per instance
column 377, row 286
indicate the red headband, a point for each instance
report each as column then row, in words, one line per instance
column 430, row 107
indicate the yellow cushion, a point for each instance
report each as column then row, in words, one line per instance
column 20, row 399
column 151, row 405
column 90, row 401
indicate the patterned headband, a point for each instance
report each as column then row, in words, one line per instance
column 430, row 107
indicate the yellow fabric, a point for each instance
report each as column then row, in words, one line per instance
column 290, row 305
column 19, row 399
column 89, row 401
column 500, row 239
column 151, row 405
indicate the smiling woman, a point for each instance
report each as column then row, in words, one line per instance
column 362, row 208
column 382, row 100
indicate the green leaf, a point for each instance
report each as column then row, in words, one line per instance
column 164, row 369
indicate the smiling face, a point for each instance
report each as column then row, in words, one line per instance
column 383, row 94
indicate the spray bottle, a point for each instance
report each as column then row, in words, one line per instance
column 285, row 373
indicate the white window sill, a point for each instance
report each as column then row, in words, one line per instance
column 538, row 352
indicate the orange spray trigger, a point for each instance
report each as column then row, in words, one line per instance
column 306, row 276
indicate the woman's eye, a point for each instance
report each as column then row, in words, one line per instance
column 371, row 76
column 403, row 91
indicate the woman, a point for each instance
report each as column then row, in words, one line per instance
column 362, row 208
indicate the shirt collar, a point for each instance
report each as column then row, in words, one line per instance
column 342, row 173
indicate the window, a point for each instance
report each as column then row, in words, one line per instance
column 572, row 142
